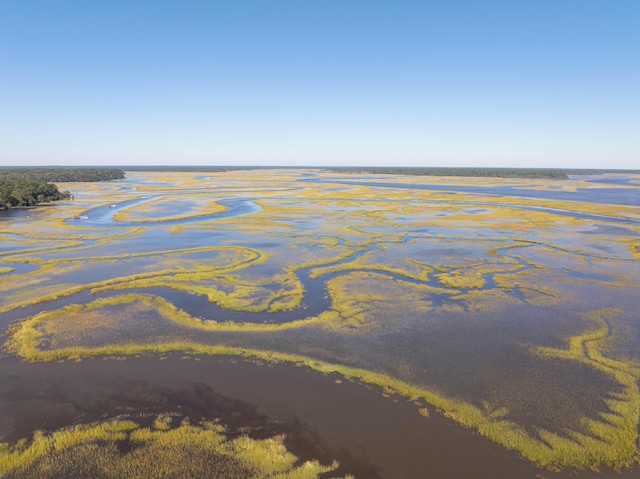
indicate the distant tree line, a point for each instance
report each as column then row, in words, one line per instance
column 553, row 173
column 62, row 175
column 15, row 193
column 550, row 173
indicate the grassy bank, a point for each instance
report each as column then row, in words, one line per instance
column 123, row 449
column 610, row 440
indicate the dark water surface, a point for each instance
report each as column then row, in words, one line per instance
column 616, row 196
column 373, row 436
column 102, row 216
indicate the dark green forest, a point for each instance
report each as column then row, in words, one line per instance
column 62, row 175
column 15, row 193
column 549, row 173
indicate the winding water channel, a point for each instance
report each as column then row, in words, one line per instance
column 103, row 216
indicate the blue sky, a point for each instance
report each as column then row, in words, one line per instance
column 529, row 83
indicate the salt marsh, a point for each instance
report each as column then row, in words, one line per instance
column 507, row 310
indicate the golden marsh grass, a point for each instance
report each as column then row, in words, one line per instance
column 392, row 263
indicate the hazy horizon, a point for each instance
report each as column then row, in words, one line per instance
column 435, row 84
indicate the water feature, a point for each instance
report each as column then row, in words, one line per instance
column 411, row 289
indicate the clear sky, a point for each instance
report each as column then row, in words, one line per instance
column 528, row 83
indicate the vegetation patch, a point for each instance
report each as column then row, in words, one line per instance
column 60, row 175
column 463, row 280
column 15, row 193
column 610, row 440
column 613, row 436
column 121, row 448
column 378, row 271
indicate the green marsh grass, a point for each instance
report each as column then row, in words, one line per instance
column 610, row 441
column 437, row 246
column 186, row 451
column 615, row 435
column 461, row 280
column 247, row 257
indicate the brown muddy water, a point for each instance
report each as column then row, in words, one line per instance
column 371, row 435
